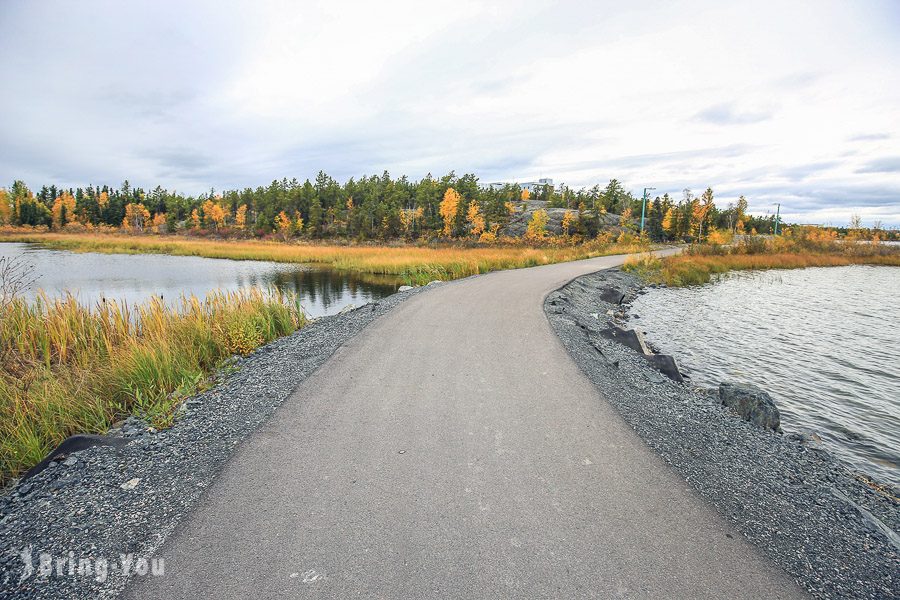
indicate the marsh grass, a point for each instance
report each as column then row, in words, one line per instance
column 66, row 368
column 699, row 264
column 414, row 264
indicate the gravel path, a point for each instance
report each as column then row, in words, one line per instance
column 835, row 535
column 100, row 504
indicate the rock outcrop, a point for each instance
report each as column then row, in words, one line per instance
column 752, row 404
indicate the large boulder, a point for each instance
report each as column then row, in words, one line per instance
column 666, row 365
column 752, row 404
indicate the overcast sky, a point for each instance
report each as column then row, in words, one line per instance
column 790, row 102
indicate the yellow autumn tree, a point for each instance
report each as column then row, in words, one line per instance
column 103, row 200
column 567, row 221
column 136, row 216
column 475, row 219
column 625, row 219
column 668, row 222
column 159, row 222
column 448, row 209
column 298, row 222
column 195, row 219
column 215, row 214
column 283, row 225
column 510, row 207
column 63, row 211
column 5, row 209
column 409, row 219
column 490, row 236
column 525, row 195
column 240, row 217
column 537, row 226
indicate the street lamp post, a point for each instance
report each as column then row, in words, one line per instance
column 644, row 207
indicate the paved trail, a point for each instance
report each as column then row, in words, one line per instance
column 454, row 450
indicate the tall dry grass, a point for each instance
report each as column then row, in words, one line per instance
column 699, row 264
column 415, row 264
column 65, row 368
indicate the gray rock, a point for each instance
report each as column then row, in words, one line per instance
column 665, row 364
column 404, row 288
column 612, row 295
column 752, row 404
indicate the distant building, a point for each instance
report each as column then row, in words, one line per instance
column 536, row 186
column 532, row 186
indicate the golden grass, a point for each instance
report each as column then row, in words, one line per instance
column 65, row 368
column 699, row 267
column 415, row 264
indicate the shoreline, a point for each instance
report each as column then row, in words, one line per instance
column 802, row 508
column 105, row 502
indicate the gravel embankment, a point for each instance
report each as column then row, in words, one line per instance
column 101, row 503
column 806, row 512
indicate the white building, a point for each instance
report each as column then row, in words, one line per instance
column 533, row 187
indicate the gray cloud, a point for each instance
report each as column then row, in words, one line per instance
column 870, row 137
column 728, row 114
column 888, row 164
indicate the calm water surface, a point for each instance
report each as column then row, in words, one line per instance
column 824, row 342
column 137, row 277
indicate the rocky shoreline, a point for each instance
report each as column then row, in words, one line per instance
column 828, row 528
column 114, row 506
column 825, row 527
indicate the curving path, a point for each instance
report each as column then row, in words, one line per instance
column 454, row 450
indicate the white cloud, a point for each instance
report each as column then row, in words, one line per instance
column 794, row 104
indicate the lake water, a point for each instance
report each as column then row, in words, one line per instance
column 137, row 277
column 824, row 342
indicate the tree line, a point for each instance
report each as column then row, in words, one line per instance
column 371, row 208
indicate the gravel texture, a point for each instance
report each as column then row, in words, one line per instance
column 824, row 525
column 101, row 503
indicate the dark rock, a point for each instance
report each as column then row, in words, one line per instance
column 752, row 404
column 626, row 337
column 74, row 444
column 611, row 295
column 665, row 364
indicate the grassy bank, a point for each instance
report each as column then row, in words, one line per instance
column 699, row 264
column 415, row 264
column 66, row 369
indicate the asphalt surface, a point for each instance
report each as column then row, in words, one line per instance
column 454, row 449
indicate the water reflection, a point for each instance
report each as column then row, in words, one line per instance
column 134, row 278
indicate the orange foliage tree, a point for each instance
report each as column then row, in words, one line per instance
column 159, row 222
column 283, row 225
column 240, row 217
column 215, row 214
column 63, row 210
column 567, row 220
column 136, row 216
column 448, row 209
column 475, row 219
column 5, row 209
column 537, row 226
column 525, row 195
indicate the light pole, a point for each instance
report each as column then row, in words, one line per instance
column 644, row 207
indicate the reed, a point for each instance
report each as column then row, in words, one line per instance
column 414, row 264
column 66, row 368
